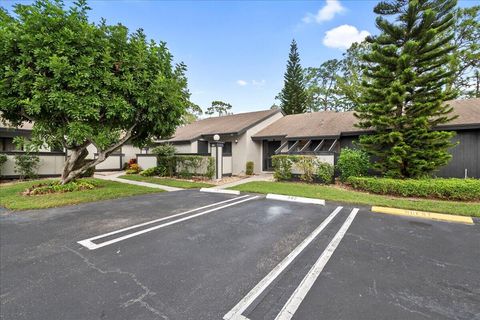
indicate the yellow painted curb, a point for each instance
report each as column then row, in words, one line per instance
column 424, row 215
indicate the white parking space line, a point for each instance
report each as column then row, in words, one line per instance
column 300, row 293
column 236, row 312
column 92, row 246
column 282, row 197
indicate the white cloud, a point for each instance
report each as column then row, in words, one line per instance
column 258, row 83
column 242, row 83
column 343, row 36
column 328, row 12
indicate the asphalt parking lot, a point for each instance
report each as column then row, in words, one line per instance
column 195, row 255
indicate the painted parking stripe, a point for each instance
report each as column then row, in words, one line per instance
column 92, row 246
column 282, row 197
column 300, row 293
column 214, row 190
column 242, row 305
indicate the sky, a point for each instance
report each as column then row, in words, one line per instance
column 236, row 51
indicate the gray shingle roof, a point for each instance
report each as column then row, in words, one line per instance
column 330, row 123
column 231, row 124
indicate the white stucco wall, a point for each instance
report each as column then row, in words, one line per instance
column 130, row 152
column 248, row 150
column 147, row 161
column 48, row 165
column 186, row 147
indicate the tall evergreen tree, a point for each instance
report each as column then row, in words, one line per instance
column 293, row 95
column 406, row 86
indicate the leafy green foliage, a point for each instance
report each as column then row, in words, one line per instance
column 249, row 168
column 406, row 84
column 88, row 173
column 150, row 172
column 321, row 87
column 220, row 107
column 83, row 83
column 56, row 187
column 352, row 162
column 3, row 159
column 164, row 150
column 325, row 172
column 210, row 172
column 188, row 166
column 307, row 165
column 448, row 189
column 26, row 165
column 282, row 167
column 467, row 52
column 293, row 96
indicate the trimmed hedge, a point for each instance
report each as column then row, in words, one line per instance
column 249, row 168
column 447, row 189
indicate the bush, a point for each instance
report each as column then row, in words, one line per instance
column 352, row 162
column 188, row 166
column 325, row 172
column 3, row 159
column 210, row 168
column 134, row 168
column 282, row 166
column 164, row 150
column 56, row 187
column 249, row 168
column 307, row 165
column 26, row 165
column 88, row 173
column 448, row 189
column 150, row 172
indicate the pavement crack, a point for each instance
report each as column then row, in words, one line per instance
column 140, row 299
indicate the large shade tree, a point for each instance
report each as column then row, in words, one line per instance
column 84, row 84
column 406, row 86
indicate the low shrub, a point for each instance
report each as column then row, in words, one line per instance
column 3, row 159
column 150, row 172
column 282, row 166
column 133, row 168
column 56, row 187
column 88, row 173
column 249, row 168
column 307, row 165
column 325, row 172
column 164, row 150
column 26, row 165
column 448, row 189
column 352, row 162
column 210, row 173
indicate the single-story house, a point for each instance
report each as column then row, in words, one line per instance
column 235, row 131
column 257, row 136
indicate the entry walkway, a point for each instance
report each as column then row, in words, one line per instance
column 260, row 177
column 114, row 176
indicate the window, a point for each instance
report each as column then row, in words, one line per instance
column 227, row 149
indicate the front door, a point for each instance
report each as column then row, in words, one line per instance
column 269, row 148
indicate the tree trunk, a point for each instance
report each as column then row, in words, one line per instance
column 76, row 164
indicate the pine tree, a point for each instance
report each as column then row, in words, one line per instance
column 406, row 86
column 293, row 95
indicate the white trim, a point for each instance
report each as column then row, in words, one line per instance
column 295, row 199
column 92, row 246
column 214, row 190
column 236, row 312
column 300, row 293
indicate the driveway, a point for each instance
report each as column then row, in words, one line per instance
column 194, row 255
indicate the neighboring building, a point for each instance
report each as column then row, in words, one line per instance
column 52, row 159
column 235, row 130
column 325, row 133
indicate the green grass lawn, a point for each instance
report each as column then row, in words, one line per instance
column 337, row 194
column 11, row 197
column 168, row 182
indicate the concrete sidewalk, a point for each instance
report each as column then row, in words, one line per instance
column 114, row 176
column 260, row 177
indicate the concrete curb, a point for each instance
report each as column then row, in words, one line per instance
column 214, row 190
column 282, row 197
column 424, row 215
